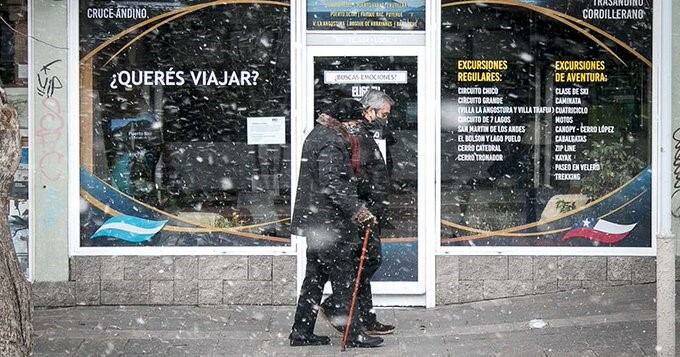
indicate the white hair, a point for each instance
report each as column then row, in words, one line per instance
column 375, row 99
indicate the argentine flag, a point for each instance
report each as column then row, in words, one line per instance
column 129, row 228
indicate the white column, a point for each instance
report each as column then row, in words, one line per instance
column 48, row 139
column 665, row 271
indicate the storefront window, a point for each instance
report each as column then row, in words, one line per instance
column 14, row 81
column 546, row 124
column 185, row 123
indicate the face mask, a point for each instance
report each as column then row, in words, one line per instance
column 376, row 125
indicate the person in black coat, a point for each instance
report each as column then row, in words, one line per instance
column 328, row 213
column 370, row 169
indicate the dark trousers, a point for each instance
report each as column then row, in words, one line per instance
column 337, row 265
column 335, row 304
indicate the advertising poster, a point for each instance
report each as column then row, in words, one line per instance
column 340, row 77
column 167, row 90
column 546, row 123
column 382, row 15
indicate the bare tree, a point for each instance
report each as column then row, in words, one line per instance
column 15, row 292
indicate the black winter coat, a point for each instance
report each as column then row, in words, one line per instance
column 373, row 180
column 326, row 197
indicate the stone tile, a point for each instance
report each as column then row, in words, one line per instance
column 495, row 289
column 149, row 268
column 570, row 353
column 113, row 268
column 85, row 269
column 483, row 267
column 284, row 283
column 446, row 292
column 284, row 292
column 54, row 294
column 582, row 268
column 237, row 292
column 419, row 346
column 545, row 286
column 499, row 346
column 186, row 292
column 53, row 346
column 88, row 293
column 223, row 267
column 161, row 292
column 446, row 268
column 628, row 350
column 186, row 268
column 545, row 268
column 643, row 270
column 594, row 284
column 521, row 267
column 247, row 346
column 284, row 267
column 470, row 291
column 210, row 292
column 109, row 347
column 619, row 268
column 260, row 267
column 153, row 346
column 202, row 347
column 116, row 292
column 568, row 284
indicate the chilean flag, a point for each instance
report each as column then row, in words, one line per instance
column 603, row 232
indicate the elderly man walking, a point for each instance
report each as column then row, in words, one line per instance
column 370, row 168
column 328, row 213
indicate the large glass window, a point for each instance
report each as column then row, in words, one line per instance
column 14, row 80
column 546, row 124
column 185, row 123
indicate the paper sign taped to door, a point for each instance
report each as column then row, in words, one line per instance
column 266, row 130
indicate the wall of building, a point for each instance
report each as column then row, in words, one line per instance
column 271, row 280
column 173, row 280
column 472, row 278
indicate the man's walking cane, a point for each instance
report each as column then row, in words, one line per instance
column 367, row 234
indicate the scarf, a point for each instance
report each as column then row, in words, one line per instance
column 352, row 140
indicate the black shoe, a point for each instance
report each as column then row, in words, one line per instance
column 365, row 341
column 376, row 328
column 337, row 322
column 307, row 339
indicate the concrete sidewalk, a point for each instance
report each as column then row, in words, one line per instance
column 616, row 321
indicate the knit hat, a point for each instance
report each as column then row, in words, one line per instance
column 347, row 110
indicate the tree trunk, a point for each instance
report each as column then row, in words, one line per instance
column 15, row 292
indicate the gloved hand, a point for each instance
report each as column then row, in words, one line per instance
column 365, row 217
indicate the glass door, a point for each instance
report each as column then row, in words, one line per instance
column 334, row 73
